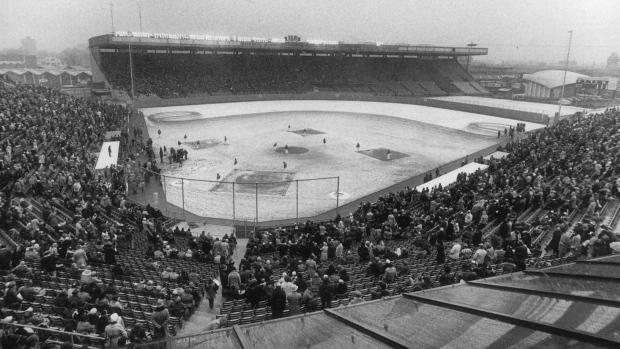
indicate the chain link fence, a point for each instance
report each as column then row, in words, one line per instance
column 237, row 198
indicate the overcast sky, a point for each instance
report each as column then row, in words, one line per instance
column 512, row 30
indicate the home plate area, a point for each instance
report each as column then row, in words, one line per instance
column 202, row 144
column 382, row 154
column 271, row 183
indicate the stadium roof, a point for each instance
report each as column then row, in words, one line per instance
column 193, row 43
column 553, row 78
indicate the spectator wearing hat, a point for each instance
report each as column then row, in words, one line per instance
column 447, row 278
column 364, row 252
column 311, row 266
column 28, row 291
column 349, row 258
column 390, row 272
column 74, row 300
column 519, row 255
column 341, row 288
column 480, row 254
column 32, row 340
column 254, row 293
column 48, row 263
column 326, row 292
column 31, row 254
column 294, row 301
column 169, row 274
column 234, row 279
column 278, row 302
column 160, row 320
column 344, row 275
column 62, row 300
column 357, row 298
column 211, row 291
column 84, row 326
column 115, row 333
column 193, row 276
column 115, row 305
column 339, row 250
column 287, row 285
column 575, row 245
column 441, row 252
column 466, row 251
column 138, row 335
column 381, row 291
column 468, row 274
column 245, row 274
column 309, row 298
column 22, row 270
column 178, row 309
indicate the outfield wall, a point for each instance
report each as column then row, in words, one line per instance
column 367, row 97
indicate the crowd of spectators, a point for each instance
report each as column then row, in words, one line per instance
column 184, row 75
column 56, row 220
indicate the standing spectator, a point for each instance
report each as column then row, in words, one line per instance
column 480, row 254
column 114, row 332
column 326, row 291
column 294, row 301
column 234, row 279
column 441, row 252
column 309, row 298
column 211, row 291
column 161, row 318
column 278, row 302
column 455, row 251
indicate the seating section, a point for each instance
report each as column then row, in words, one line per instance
column 432, row 88
column 466, row 88
column 184, row 75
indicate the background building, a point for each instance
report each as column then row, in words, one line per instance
column 613, row 62
column 547, row 84
column 29, row 46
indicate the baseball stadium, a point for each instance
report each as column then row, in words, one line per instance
column 257, row 193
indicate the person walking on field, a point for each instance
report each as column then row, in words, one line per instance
column 110, row 150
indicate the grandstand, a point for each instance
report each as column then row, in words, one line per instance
column 187, row 67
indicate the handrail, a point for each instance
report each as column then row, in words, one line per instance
column 6, row 236
column 72, row 334
column 188, row 337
